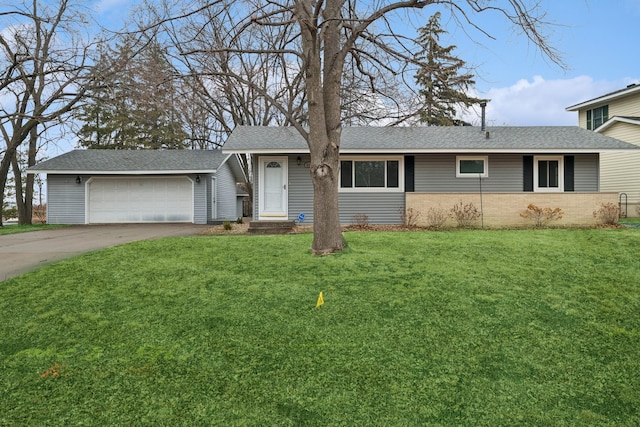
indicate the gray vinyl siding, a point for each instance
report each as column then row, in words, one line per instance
column 436, row 173
column 587, row 173
column 200, row 199
column 65, row 199
column 256, row 186
column 380, row 208
column 300, row 190
column 227, row 194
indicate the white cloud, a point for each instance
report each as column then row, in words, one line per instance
column 107, row 5
column 541, row 102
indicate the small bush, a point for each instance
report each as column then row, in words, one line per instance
column 9, row 213
column 410, row 217
column 361, row 220
column 540, row 217
column 227, row 225
column 465, row 215
column 607, row 214
column 436, row 218
column 239, row 220
column 40, row 212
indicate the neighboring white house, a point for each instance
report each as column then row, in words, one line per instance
column 617, row 114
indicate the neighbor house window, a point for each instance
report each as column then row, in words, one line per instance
column 472, row 166
column 548, row 173
column 597, row 116
column 370, row 174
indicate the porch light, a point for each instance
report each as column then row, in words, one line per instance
column 78, row 179
column 197, row 179
column 299, row 160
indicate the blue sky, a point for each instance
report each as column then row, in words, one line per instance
column 597, row 39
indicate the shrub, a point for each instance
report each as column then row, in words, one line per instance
column 40, row 212
column 361, row 220
column 436, row 218
column 227, row 225
column 410, row 217
column 465, row 215
column 607, row 214
column 239, row 220
column 541, row 216
column 9, row 213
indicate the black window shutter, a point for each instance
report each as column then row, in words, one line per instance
column 569, row 173
column 527, row 168
column 346, row 173
column 409, row 174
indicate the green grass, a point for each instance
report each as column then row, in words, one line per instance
column 635, row 220
column 13, row 229
column 482, row 328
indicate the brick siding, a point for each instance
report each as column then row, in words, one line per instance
column 503, row 209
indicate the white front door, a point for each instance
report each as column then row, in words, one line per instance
column 273, row 177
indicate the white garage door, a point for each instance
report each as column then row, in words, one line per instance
column 140, row 200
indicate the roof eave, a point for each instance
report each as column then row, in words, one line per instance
column 615, row 119
column 127, row 172
column 448, row 150
column 236, row 166
column 604, row 98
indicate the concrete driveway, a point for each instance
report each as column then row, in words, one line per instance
column 23, row 252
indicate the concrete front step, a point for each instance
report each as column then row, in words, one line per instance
column 271, row 227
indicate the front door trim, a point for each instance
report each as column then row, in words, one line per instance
column 273, row 196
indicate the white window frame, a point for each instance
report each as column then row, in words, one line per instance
column 485, row 160
column 385, row 189
column 560, row 188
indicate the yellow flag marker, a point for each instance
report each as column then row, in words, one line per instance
column 320, row 300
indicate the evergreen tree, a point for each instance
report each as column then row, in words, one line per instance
column 443, row 86
column 136, row 103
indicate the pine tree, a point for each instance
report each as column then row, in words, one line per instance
column 136, row 103
column 443, row 87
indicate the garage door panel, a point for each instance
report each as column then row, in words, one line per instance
column 140, row 200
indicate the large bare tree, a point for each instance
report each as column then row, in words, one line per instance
column 323, row 36
column 43, row 66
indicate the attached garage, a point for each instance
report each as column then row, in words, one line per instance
column 140, row 199
column 142, row 186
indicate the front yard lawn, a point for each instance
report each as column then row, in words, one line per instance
column 482, row 328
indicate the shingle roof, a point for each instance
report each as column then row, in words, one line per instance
column 133, row 161
column 247, row 139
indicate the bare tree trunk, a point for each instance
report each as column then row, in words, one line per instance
column 24, row 200
column 5, row 165
column 17, row 176
column 327, row 233
column 323, row 139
